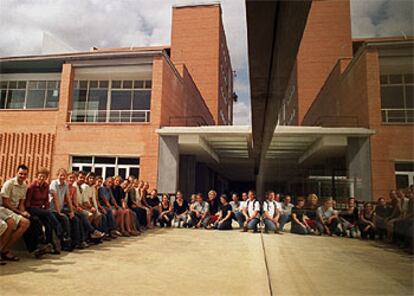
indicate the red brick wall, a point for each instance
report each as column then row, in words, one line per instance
column 196, row 38
column 327, row 37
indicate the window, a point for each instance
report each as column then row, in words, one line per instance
column 107, row 166
column 111, row 101
column 397, row 100
column 404, row 174
column 29, row 94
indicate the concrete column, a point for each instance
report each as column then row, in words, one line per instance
column 168, row 164
column 358, row 164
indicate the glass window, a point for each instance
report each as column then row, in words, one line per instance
column 105, row 160
column 134, row 171
column 121, row 100
column 127, row 84
column 98, row 99
column 15, row 99
column 3, row 93
column 392, row 97
column 142, row 100
column 408, row 78
column 138, row 84
column 116, row 83
column 103, row 84
column 79, row 99
column 93, row 84
column 384, row 79
column 148, row 84
column 396, row 79
column 82, row 159
column 52, row 98
column 122, row 160
column 35, row 98
column 409, row 96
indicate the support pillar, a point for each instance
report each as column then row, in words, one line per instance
column 168, row 164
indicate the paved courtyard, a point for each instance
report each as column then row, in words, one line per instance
column 192, row 262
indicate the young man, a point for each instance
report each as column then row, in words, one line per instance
column 108, row 225
column 299, row 221
column 199, row 212
column 271, row 214
column 12, row 211
column 106, row 199
column 285, row 211
column 328, row 218
column 38, row 205
column 62, row 209
column 382, row 212
column 251, row 212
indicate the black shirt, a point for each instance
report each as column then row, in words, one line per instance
column 178, row 210
column 152, row 202
column 300, row 212
column 350, row 217
column 311, row 213
column 119, row 194
column 213, row 206
column 225, row 209
column 382, row 211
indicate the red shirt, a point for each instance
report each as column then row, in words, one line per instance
column 37, row 196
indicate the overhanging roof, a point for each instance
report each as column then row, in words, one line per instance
column 228, row 149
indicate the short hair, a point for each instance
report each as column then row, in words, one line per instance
column 200, row 195
column 252, row 191
column 62, row 171
column 22, row 167
column 225, row 197
column 154, row 189
column 82, row 173
column 91, row 174
column 42, row 170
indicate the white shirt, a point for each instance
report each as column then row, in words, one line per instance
column 252, row 206
column 270, row 207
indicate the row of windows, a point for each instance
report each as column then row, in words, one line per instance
column 107, row 166
column 29, row 94
column 396, row 78
column 103, row 101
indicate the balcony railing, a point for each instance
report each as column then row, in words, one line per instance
column 397, row 115
column 108, row 116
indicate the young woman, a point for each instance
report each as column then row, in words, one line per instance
column 225, row 216
column 299, row 223
column 166, row 211
column 180, row 210
column 366, row 221
column 310, row 212
column 349, row 218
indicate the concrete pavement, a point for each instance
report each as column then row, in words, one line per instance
column 199, row 262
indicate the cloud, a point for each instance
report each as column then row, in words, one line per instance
column 380, row 18
column 242, row 114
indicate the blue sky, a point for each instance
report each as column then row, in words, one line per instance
column 28, row 26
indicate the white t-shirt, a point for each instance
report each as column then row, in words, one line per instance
column 270, row 207
column 14, row 191
column 252, row 206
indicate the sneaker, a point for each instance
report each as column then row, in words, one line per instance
column 42, row 250
column 84, row 245
column 97, row 234
column 116, row 233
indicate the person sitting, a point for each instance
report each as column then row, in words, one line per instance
column 108, row 224
column 5, row 232
column 328, row 218
column 395, row 215
column 251, row 212
column 349, row 218
column 271, row 214
column 12, row 210
column 106, row 202
column 153, row 202
column 312, row 204
column 299, row 219
column 198, row 212
column 237, row 208
column 166, row 211
column 225, row 216
column 180, row 210
column 382, row 213
column 403, row 235
column 285, row 212
column 213, row 208
column 135, row 203
column 366, row 222
column 38, row 205
column 63, row 212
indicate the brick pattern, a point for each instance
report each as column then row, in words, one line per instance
column 32, row 149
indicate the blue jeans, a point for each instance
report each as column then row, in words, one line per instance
column 239, row 217
column 253, row 224
column 269, row 225
column 284, row 218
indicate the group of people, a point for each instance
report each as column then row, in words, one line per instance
column 78, row 209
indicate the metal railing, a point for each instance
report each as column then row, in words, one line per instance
column 108, row 116
column 397, row 115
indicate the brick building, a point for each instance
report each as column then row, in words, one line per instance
column 99, row 110
column 340, row 82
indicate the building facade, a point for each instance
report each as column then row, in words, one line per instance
column 340, row 82
column 99, row 110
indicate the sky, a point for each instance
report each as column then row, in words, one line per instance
column 32, row 27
